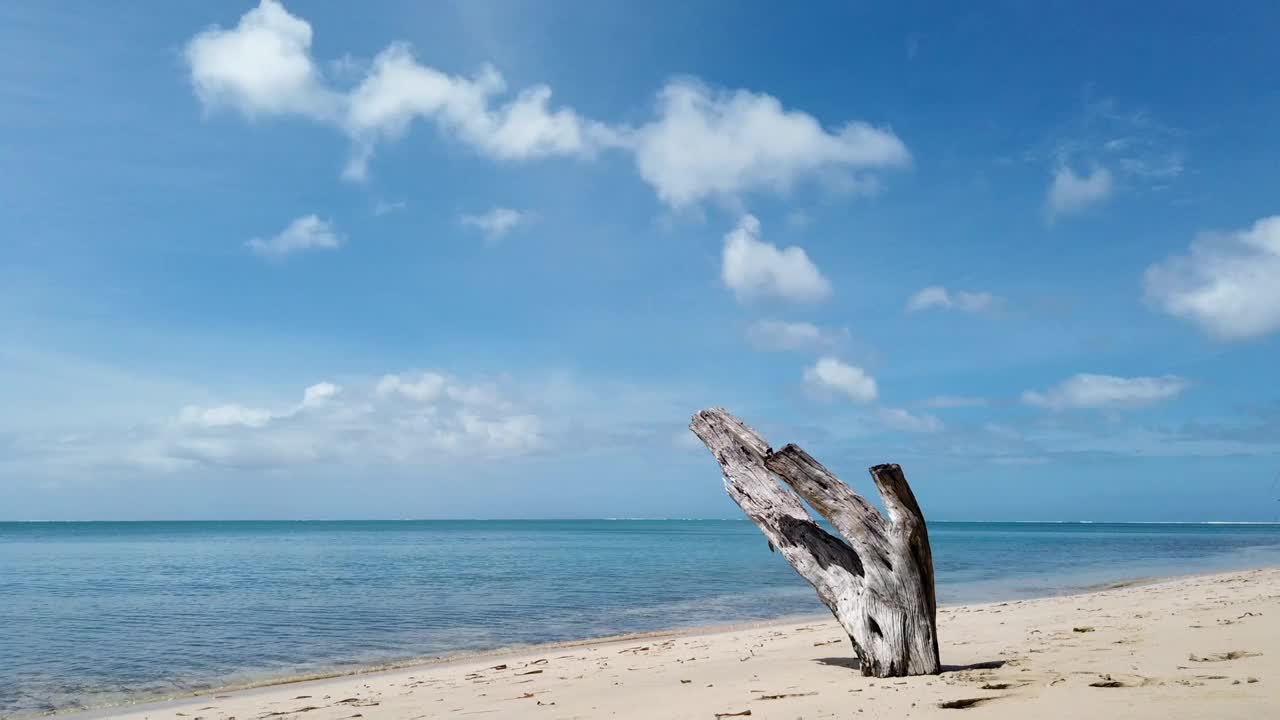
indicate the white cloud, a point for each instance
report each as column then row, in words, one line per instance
column 399, row 419
column 899, row 419
column 130, row 422
column 955, row 401
column 702, row 143
column 319, row 394
column 939, row 297
column 305, row 233
column 1121, row 149
column 1228, row 284
column 235, row 415
column 1071, row 193
column 512, row 433
column 777, row 335
column 496, row 223
column 225, row 416
column 706, row 143
column 399, row 90
column 425, row 388
column 830, row 375
column 1106, row 391
column 263, row 66
column 753, row 268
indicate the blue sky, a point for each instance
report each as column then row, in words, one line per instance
column 484, row 259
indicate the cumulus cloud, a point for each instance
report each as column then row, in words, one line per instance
column 899, row 419
column 831, row 376
column 706, row 143
column 260, row 67
column 1070, row 193
column 702, row 142
column 305, row 233
column 1106, row 391
column 936, row 296
column 777, row 336
column 753, row 268
column 400, row 418
column 399, row 90
column 1227, row 284
column 495, row 223
column 263, row 66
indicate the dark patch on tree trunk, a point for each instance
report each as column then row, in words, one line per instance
column 827, row 549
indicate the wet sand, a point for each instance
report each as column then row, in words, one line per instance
column 1197, row 647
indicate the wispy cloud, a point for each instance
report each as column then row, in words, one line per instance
column 496, row 223
column 955, row 401
column 899, row 419
column 780, row 336
column 385, row 207
column 937, row 297
column 1106, row 391
column 308, row 232
column 1103, row 150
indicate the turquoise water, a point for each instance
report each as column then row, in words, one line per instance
column 96, row 613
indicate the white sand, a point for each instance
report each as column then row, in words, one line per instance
column 1202, row 647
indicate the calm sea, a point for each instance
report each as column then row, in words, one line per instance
column 98, row 613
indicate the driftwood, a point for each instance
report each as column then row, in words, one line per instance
column 878, row 584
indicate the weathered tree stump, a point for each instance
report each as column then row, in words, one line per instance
column 878, row 584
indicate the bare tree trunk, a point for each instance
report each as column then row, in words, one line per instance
column 878, row 584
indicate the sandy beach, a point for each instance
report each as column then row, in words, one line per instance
column 1196, row 647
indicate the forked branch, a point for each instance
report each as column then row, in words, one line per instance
column 877, row 580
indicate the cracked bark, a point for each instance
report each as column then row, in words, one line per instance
column 877, row 580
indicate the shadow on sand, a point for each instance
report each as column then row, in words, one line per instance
column 852, row 664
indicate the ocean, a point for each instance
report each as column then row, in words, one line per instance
column 94, row 614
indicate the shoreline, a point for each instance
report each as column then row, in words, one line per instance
column 458, row 658
column 156, row 702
